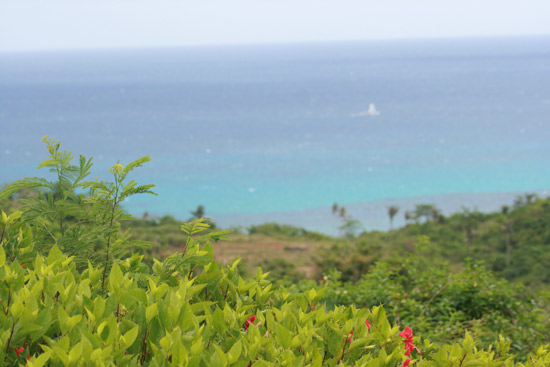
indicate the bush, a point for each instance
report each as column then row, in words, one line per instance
column 285, row 230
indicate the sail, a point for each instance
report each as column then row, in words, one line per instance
column 372, row 111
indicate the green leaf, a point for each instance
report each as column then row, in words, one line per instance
column 137, row 163
column 335, row 344
column 209, row 249
column 468, row 342
column 116, row 276
column 130, row 336
column 55, row 255
column 103, row 331
column 235, row 352
column 311, row 294
column 284, row 338
column 219, row 321
column 75, row 353
column 218, row 358
column 2, row 256
column 32, row 182
column 151, row 311
column 39, row 361
column 197, row 347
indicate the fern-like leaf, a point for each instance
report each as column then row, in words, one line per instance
column 30, row 182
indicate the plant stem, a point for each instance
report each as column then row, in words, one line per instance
column 344, row 349
column 59, row 195
column 144, row 347
column 431, row 300
column 8, row 306
column 115, row 203
column 9, row 340
column 462, row 360
column 3, row 232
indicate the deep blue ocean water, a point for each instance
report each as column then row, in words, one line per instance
column 279, row 128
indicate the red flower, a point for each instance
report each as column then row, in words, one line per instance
column 407, row 336
column 249, row 322
column 19, row 351
column 406, row 363
column 368, row 324
column 350, row 335
column 28, row 357
column 22, row 265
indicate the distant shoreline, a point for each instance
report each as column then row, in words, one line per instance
column 373, row 214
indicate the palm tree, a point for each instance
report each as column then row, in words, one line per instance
column 408, row 216
column 504, row 209
column 198, row 213
column 343, row 212
column 392, row 212
column 335, row 208
column 425, row 211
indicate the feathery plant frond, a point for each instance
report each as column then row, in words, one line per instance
column 196, row 226
column 30, row 182
column 197, row 254
column 86, row 226
column 112, row 194
column 200, row 225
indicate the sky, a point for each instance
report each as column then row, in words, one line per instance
column 83, row 24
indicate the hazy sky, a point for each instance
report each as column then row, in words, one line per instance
column 68, row 24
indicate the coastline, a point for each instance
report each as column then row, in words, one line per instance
column 373, row 214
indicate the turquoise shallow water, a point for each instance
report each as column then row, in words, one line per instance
column 284, row 128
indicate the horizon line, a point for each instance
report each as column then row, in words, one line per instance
column 272, row 43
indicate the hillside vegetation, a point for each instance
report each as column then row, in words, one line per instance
column 512, row 243
column 77, row 289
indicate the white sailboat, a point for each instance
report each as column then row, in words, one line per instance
column 372, row 111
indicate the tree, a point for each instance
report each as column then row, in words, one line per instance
column 350, row 227
column 529, row 198
column 343, row 212
column 198, row 213
column 425, row 211
column 392, row 212
column 408, row 216
column 436, row 213
column 470, row 221
column 507, row 226
column 335, row 208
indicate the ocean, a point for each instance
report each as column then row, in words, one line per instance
column 281, row 132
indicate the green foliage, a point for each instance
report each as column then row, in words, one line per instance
column 349, row 227
column 285, row 231
column 72, row 295
column 351, row 259
column 165, row 232
column 441, row 304
column 86, row 226
column 507, row 242
column 282, row 270
column 189, row 311
column 392, row 212
column 198, row 213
